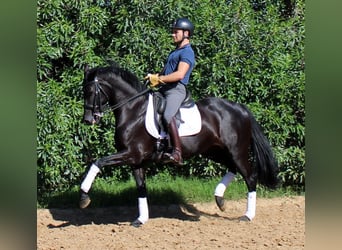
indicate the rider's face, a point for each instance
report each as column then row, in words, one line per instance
column 177, row 35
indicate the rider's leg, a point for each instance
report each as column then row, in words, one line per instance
column 176, row 155
column 174, row 96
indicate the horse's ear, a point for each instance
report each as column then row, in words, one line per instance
column 86, row 68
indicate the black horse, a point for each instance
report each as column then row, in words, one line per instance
column 229, row 135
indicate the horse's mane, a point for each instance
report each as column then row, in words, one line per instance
column 125, row 74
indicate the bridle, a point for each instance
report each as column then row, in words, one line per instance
column 97, row 107
column 97, row 104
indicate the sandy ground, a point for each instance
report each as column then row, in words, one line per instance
column 279, row 224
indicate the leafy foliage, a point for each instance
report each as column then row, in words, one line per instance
column 246, row 51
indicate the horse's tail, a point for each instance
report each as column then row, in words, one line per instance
column 264, row 159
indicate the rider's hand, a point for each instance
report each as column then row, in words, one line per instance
column 154, row 79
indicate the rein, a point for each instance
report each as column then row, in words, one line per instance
column 128, row 100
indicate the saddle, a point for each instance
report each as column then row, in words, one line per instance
column 159, row 104
column 188, row 117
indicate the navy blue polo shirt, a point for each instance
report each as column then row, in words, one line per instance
column 183, row 54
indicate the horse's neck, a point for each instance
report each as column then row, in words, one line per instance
column 122, row 90
column 131, row 111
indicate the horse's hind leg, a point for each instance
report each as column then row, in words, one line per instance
column 250, row 178
column 251, row 207
column 221, row 188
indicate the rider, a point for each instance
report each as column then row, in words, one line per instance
column 174, row 78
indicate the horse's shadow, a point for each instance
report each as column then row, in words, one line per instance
column 122, row 208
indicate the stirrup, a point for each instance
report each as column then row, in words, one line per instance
column 170, row 158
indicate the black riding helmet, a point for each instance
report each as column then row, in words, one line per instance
column 184, row 24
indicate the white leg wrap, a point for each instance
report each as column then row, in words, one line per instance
column 143, row 210
column 251, row 205
column 222, row 186
column 86, row 184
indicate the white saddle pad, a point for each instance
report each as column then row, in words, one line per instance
column 191, row 116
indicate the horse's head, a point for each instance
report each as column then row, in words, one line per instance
column 108, row 86
column 96, row 97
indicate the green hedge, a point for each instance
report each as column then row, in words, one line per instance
column 250, row 52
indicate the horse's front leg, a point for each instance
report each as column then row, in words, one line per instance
column 139, row 175
column 119, row 158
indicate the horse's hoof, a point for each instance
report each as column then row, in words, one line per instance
column 220, row 202
column 136, row 223
column 244, row 218
column 84, row 200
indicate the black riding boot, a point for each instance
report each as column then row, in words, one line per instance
column 176, row 155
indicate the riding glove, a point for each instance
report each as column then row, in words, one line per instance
column 154, row 79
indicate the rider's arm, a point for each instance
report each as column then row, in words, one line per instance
column 178, row 75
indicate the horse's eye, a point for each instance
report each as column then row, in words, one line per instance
column 87, row 89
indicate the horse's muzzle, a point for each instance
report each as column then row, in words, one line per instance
column 91, row 119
